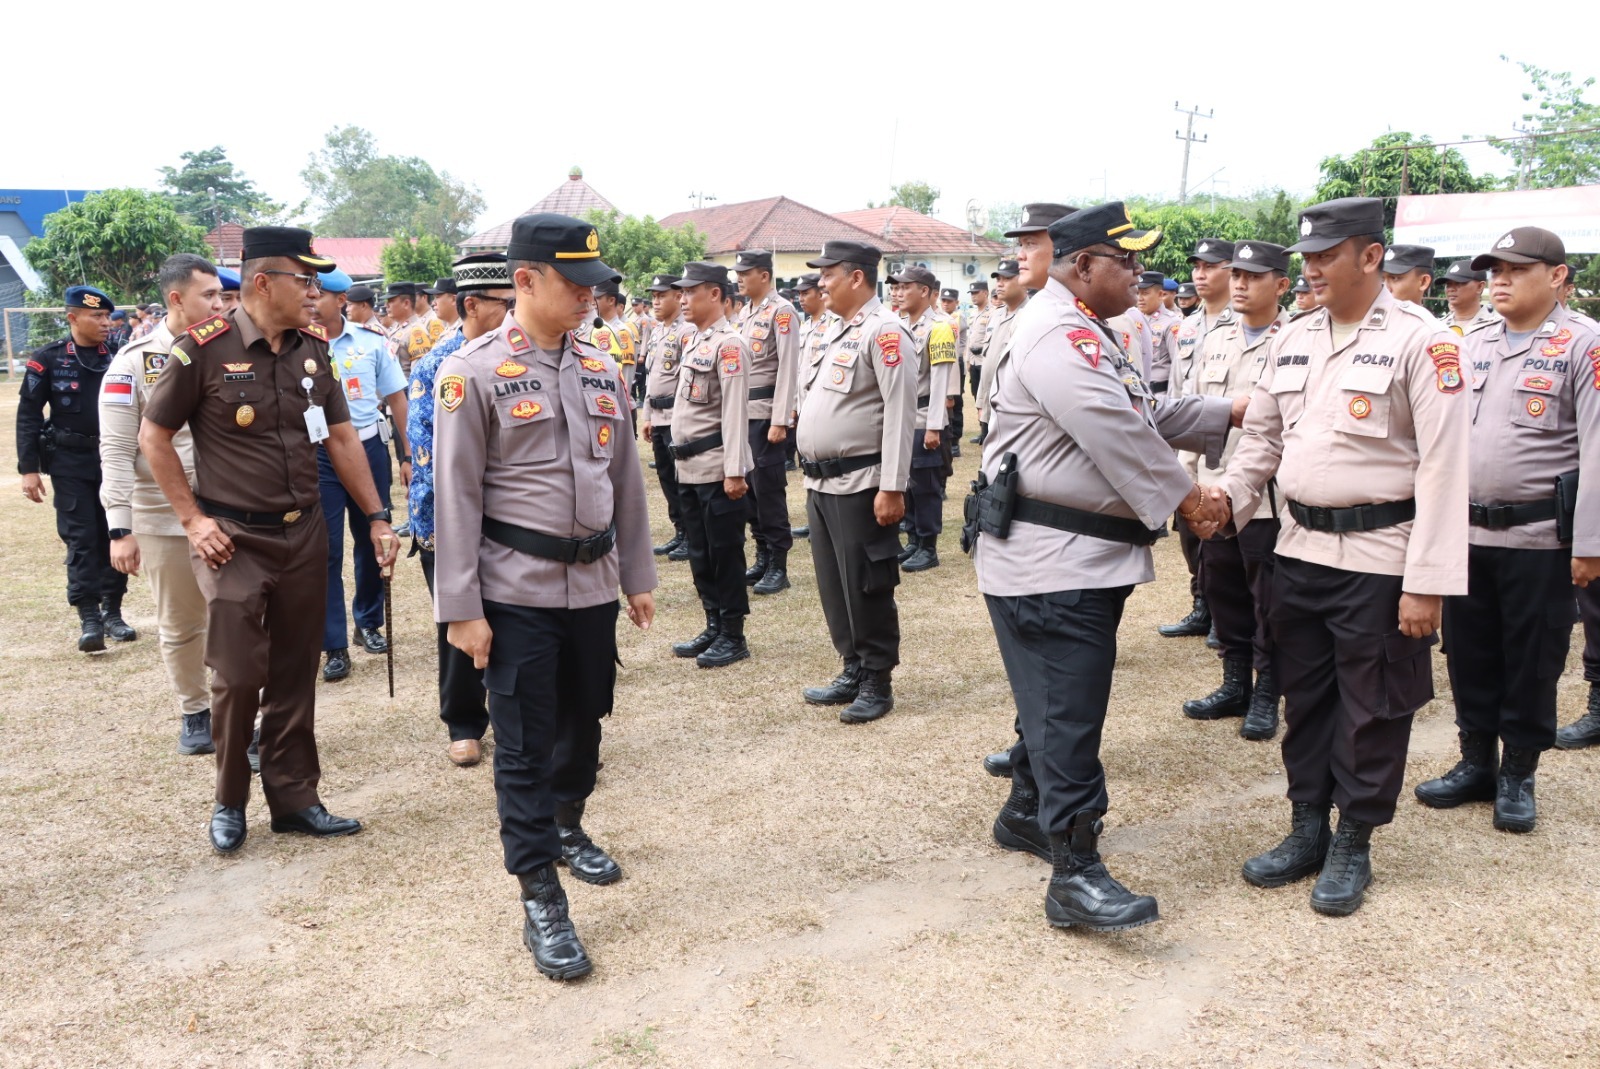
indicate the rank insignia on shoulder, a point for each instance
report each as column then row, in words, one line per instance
column 1086, row 310
column 373, row 326
column 517, row 340
column 204, row 332
column 452, row 391
column 316, row 331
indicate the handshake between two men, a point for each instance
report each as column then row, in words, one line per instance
column 1208, row 510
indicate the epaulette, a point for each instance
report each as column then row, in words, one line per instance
column 208, row 330
column 517, row 340
column 316, row 331
column 373, row 326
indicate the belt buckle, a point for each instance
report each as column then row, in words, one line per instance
column 1498, row 516
column 291, row 517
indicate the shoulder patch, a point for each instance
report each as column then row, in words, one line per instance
column 1087, row 343
column 889, row 347
column 316, row 331
column 372, row 325
column 730, row 358
column 34, row 365
column 452, row 391
column 183, row 357
column 518, row 340
column 204, row 332
column 1446, row 356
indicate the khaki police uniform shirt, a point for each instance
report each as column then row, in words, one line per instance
column 1484, row 317
column 935, row 339
column 619, row 338
column 978, row 335
column 1230, row 366
column 1164, row 343
column 541, row 440
column 246, row 407
column 1087, row 433
column 1533, row 407
column 128, row 491
column 714, row 397
column 771, row 330
column 861, row 398
column 1383, row 417
column 411, row 342
column 662, row 355
column 811, row 350
column 1001, row 325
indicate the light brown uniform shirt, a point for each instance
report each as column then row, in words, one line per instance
column 861, row 398
column 978, row 335
column 1230, row 365
column 935, row 341
column 1382, row 417
column 771, row 329
column 128, row 490
column 811, row 350
column 411, row 341
column 247, row 408
column 662, row 355
column 1533, row 408
column 1000, row 327
column 541, row 440
column 713, row 397
column 1484, row 317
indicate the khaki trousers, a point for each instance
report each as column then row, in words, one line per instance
column 180, row 617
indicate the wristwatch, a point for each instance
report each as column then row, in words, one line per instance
column 386, row 515
column 119, row 532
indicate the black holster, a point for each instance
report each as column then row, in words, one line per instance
column 990, row 506
column 1567, row 500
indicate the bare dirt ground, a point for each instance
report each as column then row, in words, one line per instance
column 797, row 892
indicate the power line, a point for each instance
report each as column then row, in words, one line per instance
column 1188, row 139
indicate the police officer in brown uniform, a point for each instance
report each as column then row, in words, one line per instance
column 977, row 338
column 770, row 327
column 1463, row 291
column 933, row 343
column 1408, row 272
column 541, row 513
column 256, row 389
column 1078, row 480
column 1236, row 573
column 1303, row 301
column 855, row 450
column 663, row 352
column 1535, row 428
column 1362, row 416
column 711, row 450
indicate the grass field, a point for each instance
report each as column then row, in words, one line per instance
column 796, row 892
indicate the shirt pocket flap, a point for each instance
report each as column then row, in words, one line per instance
column 1289, row 379
column 1366, row 378
column 604, row 405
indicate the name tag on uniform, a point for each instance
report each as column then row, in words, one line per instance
column 316, row 424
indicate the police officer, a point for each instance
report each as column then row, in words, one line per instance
column 711, row 453
column 1535, row 425
column 409, row 339
column 1408, row 272
column 367, row 372
column 483, row 295
column 609, row 330
column 446, row 311
column 64, row 377
column 770, row 327
column 663, row 354
column 1186, row 300
column 1463, row 291
column 950, row 305
column 541, row 518
column 1236, row 573
column 813, row 301
column 256, row 389
column 1362, row 416
column 1009, row 297
column 977, row 339
column 933, row 343
column 855, row 431
column 359, row 308
column 230, row 288
column 1303, row 300
column 1078, row 479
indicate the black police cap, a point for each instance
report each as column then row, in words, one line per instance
column 1150, row 280
column 1212, row 251
column 949, row 294
column 1398, row 259
column 570, row 245
column 1322, row 226
column 442, row 285
column 361, row 295
column 1259, row 257
column 1007, row 269
column 847, row 252
column 1525, row 245
column 1039, row 216
column 1104, row 224
column 753, row 260
column 700, row 272
column 662, row 283
column 261, row 242
column 808, row 281
column 87, row 297
column 402, row 289
column 1300, row 285
column 1461, row 271
column 609, row 288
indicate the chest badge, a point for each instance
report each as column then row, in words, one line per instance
column 311, row 366
column 244, row 415
column 604, row 436
column 1360, row 407
column 589, row 363
column 527, row 409
column 1536, row 406
column 606, row 405
column 510, row 369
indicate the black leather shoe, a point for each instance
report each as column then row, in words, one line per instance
column 669, row 545
column 701, row 642
column 776, row 578
column 117, row 629
column 1016, row 827
column 195, row 735
column 227, row 828
column 753, row 574
column 1082, row 892
column 1261, row 722
column 727, row 649
column 800, row 532
column 1198, row 622
column 587, row 861
column 1301, row 853
column 1232, row 698
column 926, row 556
column 547, row 928
column 371, row 639
column 338, row 665
column 955, row 448
column 1212, row 641
column 316, row 820
column 1584, row 731
column 1348, row 871
column 1471, row 780
column 92, row 638
column 874, row 700
column 1514, row 808
column 681, row 553
column 909, row 550
column 998, row 765
column 842, row 691
column 253, row 754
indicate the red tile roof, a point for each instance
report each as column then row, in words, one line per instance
column 776, row 224
column 574, row 197
column 918, row 233
column 227, row 242
column 356, row 257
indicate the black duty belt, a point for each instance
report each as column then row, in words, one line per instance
column 253, row 519
column 1499, row 517
column 663, row 402
column 696, row 447
column 538, row 544
column 922, row 401
column 832, row 469
column 1077, row 521
column 764, row 393
column 86, row 443
column 1354, row 518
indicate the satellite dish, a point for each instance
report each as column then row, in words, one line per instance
column 977, row 217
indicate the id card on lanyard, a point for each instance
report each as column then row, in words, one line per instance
column 316, row 422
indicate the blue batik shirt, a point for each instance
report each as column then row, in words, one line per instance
column 419, row 432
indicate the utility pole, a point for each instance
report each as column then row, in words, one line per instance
column 1188, row 139
column 701, row 199
column 1522, row 154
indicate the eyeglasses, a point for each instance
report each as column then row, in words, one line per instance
column 509, row 302
column 1130, row 260
column 306, row 281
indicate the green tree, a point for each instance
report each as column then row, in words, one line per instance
column 360, row 193
column 1278, row 222
column 1396, row 165
column 917, row 195
column 419, row 259
column 1003, row 216
column 639, row 248
column 1182, row 227
column 1565, row 148
column 237, row 198
column 450, row 213
column 114, row 240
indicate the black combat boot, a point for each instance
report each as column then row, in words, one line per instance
column 680, row 552
column 753, row 574
column 587, row 861
column 874, row 699
column 1514, row 809
column 1301, row 854
column 1347, row 872
column 1198, row 622
column 998, row 764
column 701, row 642
column 730, row 646
column 1017, row 825
column 1584, row 731
column 115, row 626
column 547, row 929
column 983, row 432
column 926, row 556
column 1261, row 722
column 670, row 544
column 93, row 638
column 1472, row 778
column 1082, row 892
column 1232, row 698
column 909, row 550
column 777, row 574
column 1212, row 641
column 842, row 691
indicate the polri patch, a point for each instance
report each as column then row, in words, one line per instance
column 1087, row 344
column 1536, row 406
column 589, row 363
column 1446, row 356
column 452, row 391
column 1360, row 407
column 889, row 347
column 783, row 321
column 526, row 409
column 606, row 404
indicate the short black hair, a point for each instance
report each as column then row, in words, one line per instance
column 868, row 271
column 177, row 269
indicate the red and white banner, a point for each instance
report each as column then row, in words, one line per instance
column 1465, row 224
